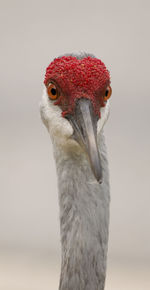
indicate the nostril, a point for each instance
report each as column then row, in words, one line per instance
column 82, row 131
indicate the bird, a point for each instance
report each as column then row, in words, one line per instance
column 74, row 108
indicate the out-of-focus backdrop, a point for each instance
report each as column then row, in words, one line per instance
column 32, row 34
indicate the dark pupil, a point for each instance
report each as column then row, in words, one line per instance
column 106, row 93
column 53, row 91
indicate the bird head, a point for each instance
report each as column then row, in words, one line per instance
column 75, row 104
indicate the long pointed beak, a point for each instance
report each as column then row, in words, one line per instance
column 84, row 123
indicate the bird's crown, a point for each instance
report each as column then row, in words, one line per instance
column 69, row 78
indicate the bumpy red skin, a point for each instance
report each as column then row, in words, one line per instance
column 78, row 78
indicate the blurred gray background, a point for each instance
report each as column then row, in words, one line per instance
column 32, row 34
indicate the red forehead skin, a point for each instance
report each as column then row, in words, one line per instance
column 78, row 78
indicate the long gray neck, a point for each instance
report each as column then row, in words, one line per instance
column 84, row 220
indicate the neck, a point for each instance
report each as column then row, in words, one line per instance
column 84, row 219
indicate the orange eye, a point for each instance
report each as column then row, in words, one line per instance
column 52, row 91
column 108, row 93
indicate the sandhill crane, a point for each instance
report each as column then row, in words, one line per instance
column 74, row 108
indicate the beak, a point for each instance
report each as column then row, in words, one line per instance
column 84, row 123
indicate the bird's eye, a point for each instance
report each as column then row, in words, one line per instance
column 52, row 91
column 108, row 93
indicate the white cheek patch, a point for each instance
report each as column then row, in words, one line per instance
column 58, row 127
column 53, row 120
column 104, row 116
